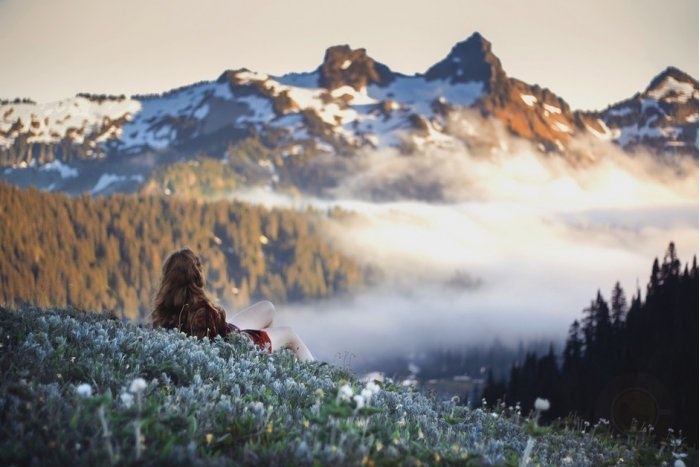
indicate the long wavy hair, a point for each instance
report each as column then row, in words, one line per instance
column 181, row 295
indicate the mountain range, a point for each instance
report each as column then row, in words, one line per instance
column 102, row 144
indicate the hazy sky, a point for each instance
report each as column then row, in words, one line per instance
column 591, row 53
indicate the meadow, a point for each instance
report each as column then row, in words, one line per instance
column 82, row 388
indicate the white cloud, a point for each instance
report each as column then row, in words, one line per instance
column 539, row 236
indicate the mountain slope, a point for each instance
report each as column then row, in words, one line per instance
column 349, row 102
column 106, row 253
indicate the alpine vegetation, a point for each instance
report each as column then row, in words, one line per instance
column 87, row 389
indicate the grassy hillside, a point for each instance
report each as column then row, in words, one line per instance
column 85, row 389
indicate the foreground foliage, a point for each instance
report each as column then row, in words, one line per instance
column 86, row 389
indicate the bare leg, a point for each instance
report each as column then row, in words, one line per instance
column 284, row 336
column 258, row 316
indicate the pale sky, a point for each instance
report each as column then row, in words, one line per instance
column 592, row 53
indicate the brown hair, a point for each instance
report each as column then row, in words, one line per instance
column 181, row 302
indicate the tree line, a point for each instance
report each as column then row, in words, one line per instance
column 630, row 363
column 106, row 253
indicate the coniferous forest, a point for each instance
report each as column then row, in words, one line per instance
column 633, row 363
column 105, row 253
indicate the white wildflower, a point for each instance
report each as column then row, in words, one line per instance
column 373, row 387
column 137, row 385
column 366, row 394
column 679, row 463
column 541, row 405
column 345, row 392
column 84, row 390
column 359, row 402
column 127, row 399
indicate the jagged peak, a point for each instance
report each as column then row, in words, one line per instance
column 344, row 66
column 469, row 60
column 672, row 83
column 234, row 76
column 675, row 73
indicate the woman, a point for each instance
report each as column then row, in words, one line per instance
column 181, row 303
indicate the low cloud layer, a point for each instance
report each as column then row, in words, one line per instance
column 513, row 245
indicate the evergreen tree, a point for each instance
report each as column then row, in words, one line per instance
column 618, row 308
column 573, row 347
column 655, row 338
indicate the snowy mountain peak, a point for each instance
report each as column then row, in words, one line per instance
column 673, row 85
column 469, row 60
column 343, row 66
column 663, row 118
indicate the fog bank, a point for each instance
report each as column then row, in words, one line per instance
column 513, row 244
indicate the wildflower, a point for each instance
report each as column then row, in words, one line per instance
column 209, row 437
column 127, row 399
column 541, row 405
column 305, row 423
column 84, row 390
column 345, row 392
column 379, row 446
column 359, row 402
column 138, row 385
column 437, row 458
column 373, row 387
column 679, row 463
column 366, row 394
column 269, row 428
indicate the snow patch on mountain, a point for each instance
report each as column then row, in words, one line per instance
column 110, row 179
column 559, row 126
column 530, row 100
column 151, row 127
column 64, row 170
column 672, row 90
column 416, row 93
column 551, row 109
column 605, row 135
column 75, row 117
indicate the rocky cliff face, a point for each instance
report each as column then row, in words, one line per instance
column 343, row 66
column 470, row 61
